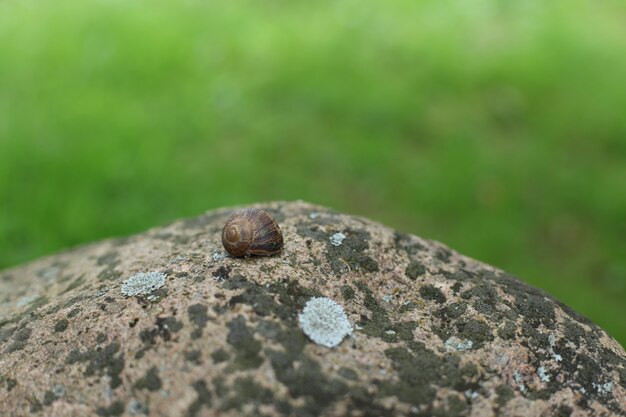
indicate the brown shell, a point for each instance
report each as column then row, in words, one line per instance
column 251, row 232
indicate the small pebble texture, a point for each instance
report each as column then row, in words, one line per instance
column 434, row 333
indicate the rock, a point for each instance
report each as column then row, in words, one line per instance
column 434, row 333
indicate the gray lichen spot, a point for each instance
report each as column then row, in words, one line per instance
column 143, row 283
column 552, row 341
column 218, row 256
column 324, row 322
column 337, row 239
column 518, row 379
column 471, row 395
column 50, row 273
column 58, row 390
column 543, row 374
column 26, row 300
column 603, row 389
column 135, row 407
column 455, row 344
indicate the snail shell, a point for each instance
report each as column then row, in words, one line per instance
column 251, row 232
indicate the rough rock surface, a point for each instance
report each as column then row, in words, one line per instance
column 435, row 333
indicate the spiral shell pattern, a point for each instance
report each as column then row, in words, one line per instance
column 252, row 232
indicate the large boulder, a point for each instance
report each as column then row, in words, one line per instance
column 198, row 333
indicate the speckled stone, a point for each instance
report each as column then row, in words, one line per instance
column 435, row 333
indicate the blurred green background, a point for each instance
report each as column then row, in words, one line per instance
column 497, row 127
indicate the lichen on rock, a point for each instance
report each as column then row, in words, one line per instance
column 324, row 322
column 455, row 344
column 143, row 283
column 433, row 333
column 337, row 239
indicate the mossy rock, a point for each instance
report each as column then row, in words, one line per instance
column 435, row 333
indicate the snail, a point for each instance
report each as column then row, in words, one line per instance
column 251, row 232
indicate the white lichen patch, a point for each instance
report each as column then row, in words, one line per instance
column 135, row 407
column 218, row 256
column 58, row 390
column 543, row 374
column 50, row 273
column 337, row 239
column 454, row 344
column 552, row 341
column 324, row 322
column 143, row 283
column 518, row 379
column 471, row 395
column 27, row 299
column 603, row 389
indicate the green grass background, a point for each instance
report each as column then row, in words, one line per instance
column 497, row 127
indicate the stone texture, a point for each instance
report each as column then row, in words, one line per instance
column 435, row 333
